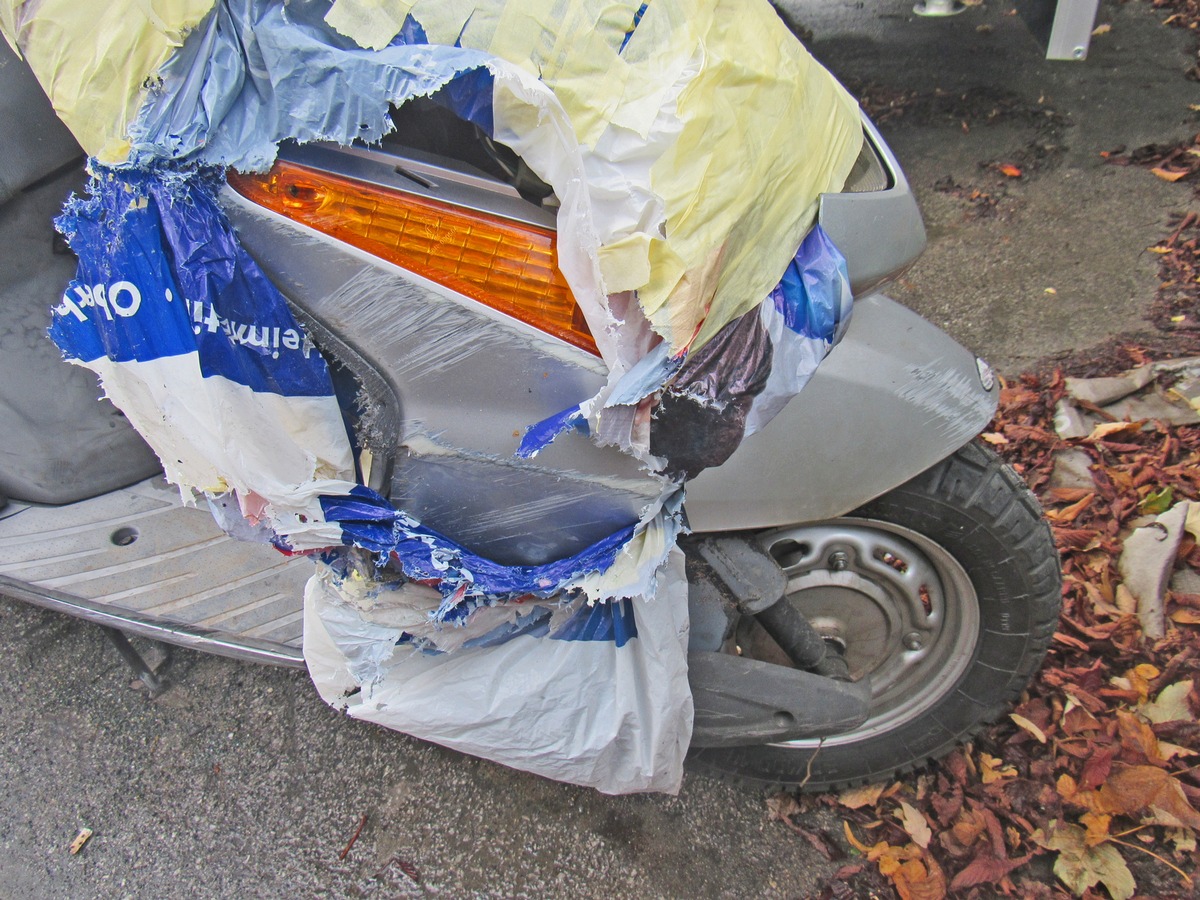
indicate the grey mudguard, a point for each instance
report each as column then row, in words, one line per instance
column 894, row 397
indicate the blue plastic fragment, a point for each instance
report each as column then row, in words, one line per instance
column 600, row 622
column 637, row 19
column 368, row 520
column 535, row 623
column 809, row 294
column 162, row 274
column 539, row 436
column 244, row 81
column 469, row 96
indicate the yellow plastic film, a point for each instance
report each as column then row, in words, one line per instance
column 766, row 130
column 97, row 60
column 369, row 23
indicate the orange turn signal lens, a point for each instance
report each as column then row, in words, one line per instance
column 509, row 266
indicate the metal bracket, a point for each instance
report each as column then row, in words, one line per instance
column 148, row 675
column 741, row 701
column 1063, row 27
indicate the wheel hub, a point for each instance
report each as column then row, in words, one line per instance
column 900, row 605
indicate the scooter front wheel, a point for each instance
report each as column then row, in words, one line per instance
column 945, row 592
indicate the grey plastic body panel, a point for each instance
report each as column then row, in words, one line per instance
column 879, row 232
column 894, row 397
column 466, row 382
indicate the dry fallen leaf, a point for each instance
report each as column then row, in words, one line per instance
column 853, row 841
column 1009, row 170
column 1170, row 751
column 1108, row 429
column 1097, row 827
column 1025, row 725
column 80, row 840
column 915, row 824
column 1171, row 704
column 1070, row 513
column 1184, row 840
column 1137, row 738
column 1135, row 789
column 914, row 873
column 856, row 798
column 1169, row 174
column 1081, row 867
column 992, row 769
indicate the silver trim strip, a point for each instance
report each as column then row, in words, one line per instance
column 193, row 637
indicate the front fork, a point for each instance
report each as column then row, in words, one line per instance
column 739, row 700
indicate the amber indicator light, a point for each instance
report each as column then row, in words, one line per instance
column 508, row 266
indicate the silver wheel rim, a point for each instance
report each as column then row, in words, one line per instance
column 902, row 607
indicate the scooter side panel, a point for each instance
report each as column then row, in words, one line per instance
column 894, row 397
column 467, row 382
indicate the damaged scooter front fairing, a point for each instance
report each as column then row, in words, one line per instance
column 861, row 575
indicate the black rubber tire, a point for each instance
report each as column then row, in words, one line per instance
column 980, row 511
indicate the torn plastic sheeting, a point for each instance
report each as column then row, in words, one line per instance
column 246, row 80
column 538, row 437
column 232, row 396
column 643, row 380
column 587, row 712
column 708, row 401
column 738, row 382
column 636, row 107
column 418, row 612
column 200, row 351
column 255, row 75
column 467, row 580
column 662, row 96
column 650, row 100
column 805, row 316
column 700, row 419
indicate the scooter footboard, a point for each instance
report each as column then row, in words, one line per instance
column 896, row 396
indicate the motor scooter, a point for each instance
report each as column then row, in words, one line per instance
column 867, row 584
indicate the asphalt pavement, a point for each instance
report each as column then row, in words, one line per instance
column 239, row 782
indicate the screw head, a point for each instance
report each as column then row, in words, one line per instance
column 838, row 561
column 913, row 641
